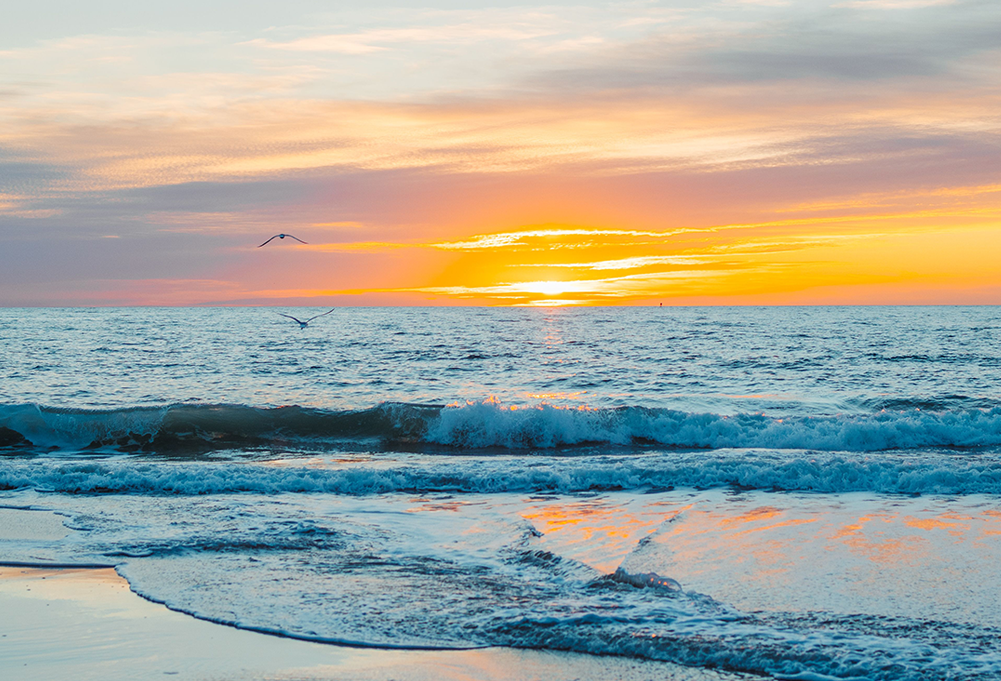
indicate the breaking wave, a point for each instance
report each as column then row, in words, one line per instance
column 925, row 473
column 489, row 425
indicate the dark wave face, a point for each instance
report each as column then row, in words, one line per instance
column 204, row 427
column 486, row 447
column 474, row 426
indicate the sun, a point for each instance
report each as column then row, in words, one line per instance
column 547, row 288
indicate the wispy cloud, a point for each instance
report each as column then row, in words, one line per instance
column 519, row 238
column 364, row 42
column 626, row 286
column 456, row 152
column 24, row 206
column 894, row 4
column 361, row 246
column 637, row 262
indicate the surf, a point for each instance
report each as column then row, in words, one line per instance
column 489, row 424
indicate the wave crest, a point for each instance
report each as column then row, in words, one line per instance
column 489, row 425
column 924, row 473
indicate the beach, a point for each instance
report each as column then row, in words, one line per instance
column 85, row 623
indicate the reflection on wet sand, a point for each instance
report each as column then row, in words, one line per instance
column 880, row 555
column 598, row 532
column 86, row 624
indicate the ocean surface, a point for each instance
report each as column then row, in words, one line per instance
column 798, row 493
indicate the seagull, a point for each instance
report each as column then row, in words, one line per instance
column 304, row 324
column 282, row 236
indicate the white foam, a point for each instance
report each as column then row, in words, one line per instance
column 488, row 424
column 919, row 473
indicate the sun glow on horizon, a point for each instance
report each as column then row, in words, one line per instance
column 622, row 154
column 548, row 288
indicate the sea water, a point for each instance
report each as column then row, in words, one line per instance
column 801, row 493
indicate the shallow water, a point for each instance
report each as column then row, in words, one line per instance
column 780, row 491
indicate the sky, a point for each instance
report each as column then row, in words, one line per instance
column 457, row 153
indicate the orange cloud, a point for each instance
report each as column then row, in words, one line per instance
column 651, row 166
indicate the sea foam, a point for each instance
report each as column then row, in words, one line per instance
column 479, row 425
column 923, row 473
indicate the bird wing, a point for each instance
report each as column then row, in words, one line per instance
column 291, row 317
column 296, row 238
column 321, row 315
column 269, row 240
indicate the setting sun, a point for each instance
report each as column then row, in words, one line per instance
column 615, row 154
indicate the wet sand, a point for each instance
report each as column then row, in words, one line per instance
column 75, row 623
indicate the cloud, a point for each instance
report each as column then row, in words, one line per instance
column 626, row 286
column 637, row 262
column 362, row 246
column 801, row 43
column 375, row 40
column 342, row 44
column 456, row 148
column 894, row 4
column 695, row 90
column 519, row 238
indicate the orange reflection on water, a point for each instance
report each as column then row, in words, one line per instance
column 785, row 523
column 755, row 514
column 955, row 529
column 848, row 555
column 888, row 544
column 855, row 528
column 593, row 519
column 757, row 543
column 890, row 551
column 556, row 396
column 875, row 544
column 993, row 520
column 595, row 532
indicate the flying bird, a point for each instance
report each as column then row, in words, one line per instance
column 282, row 236
column 304, row 324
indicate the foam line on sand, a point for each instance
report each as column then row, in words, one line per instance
column 87, row 624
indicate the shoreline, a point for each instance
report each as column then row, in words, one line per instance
column 85, row 623
column 80, row 622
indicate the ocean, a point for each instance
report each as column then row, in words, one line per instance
column 794, row 492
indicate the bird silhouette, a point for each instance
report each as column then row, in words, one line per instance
column 303, row 324
column 282, row 236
